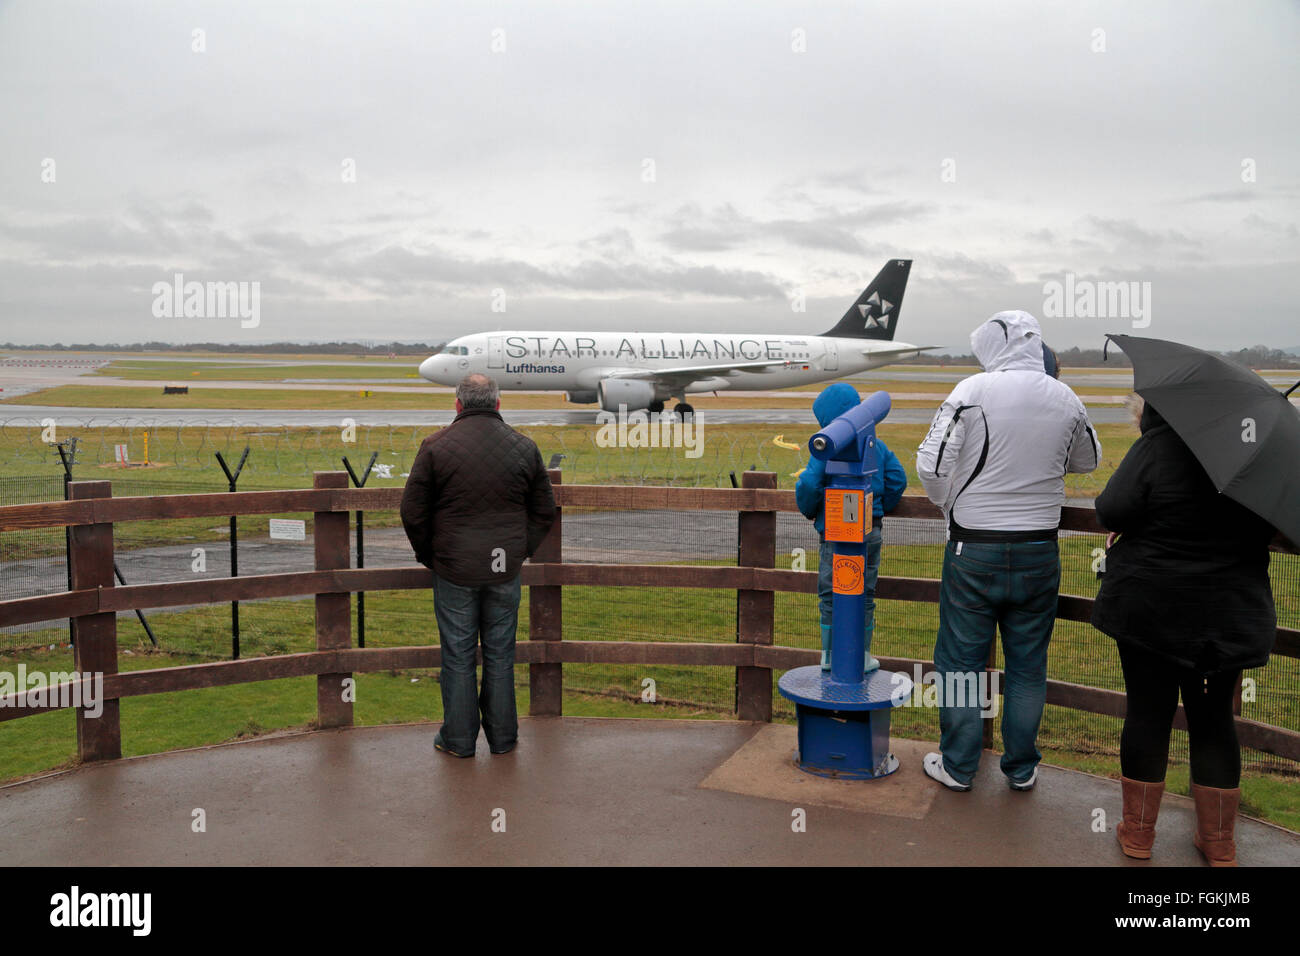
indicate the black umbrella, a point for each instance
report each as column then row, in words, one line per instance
column 1243, row 431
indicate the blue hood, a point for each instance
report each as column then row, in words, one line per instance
column 887, row 484
column 834, row 401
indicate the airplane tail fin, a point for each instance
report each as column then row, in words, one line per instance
column 875, row 313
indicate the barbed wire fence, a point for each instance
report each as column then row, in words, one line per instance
column 279, row 452
column 182, row 459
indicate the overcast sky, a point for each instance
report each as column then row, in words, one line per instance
column 646, row 165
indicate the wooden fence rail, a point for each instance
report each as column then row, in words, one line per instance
column 94, row 601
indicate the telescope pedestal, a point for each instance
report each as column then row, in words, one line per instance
column 844, row 727
column 843, row 714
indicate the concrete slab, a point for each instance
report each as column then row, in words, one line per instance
column 579, row 791
column 764, row 767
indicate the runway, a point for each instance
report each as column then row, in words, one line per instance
column 25, row 416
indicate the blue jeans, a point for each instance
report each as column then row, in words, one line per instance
column 464, row 614
column 824, row 592
column 1011, row 587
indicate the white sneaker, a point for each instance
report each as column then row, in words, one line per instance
column 933, row 764
column 1027, row 784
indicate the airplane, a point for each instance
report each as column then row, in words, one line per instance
column 640, row 370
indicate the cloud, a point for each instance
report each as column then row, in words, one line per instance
column 401, row 270
column 1129, row 232
column 523, row 170
column 1228, row 195
column 694, row 229
column 959, row 266
column 1270, row 226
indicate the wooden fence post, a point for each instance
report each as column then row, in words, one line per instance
column 755, row 610
column 333, row 610
column 546, row 623
column 95, row 635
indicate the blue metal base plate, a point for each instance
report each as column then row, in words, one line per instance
column 813, row 687
column 888, row 764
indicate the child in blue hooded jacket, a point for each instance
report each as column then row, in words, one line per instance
column 887, row 486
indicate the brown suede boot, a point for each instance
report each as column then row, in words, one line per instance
column 1137, row 831
column 1216, row 823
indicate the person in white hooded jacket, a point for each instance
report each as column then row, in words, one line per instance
column 995, row 461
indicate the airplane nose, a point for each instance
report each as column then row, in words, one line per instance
column 429, row 368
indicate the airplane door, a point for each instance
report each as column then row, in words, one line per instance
column 495, row 355
column 831, row 357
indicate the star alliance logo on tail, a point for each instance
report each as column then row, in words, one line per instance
column 875, row 311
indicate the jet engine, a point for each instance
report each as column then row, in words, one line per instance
column 635, row 394
column 580, row 396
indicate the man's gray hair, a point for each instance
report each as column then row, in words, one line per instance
column 477, row 390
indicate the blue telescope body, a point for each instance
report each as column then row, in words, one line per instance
column 851, row 437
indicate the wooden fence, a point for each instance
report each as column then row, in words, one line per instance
column 94, row 601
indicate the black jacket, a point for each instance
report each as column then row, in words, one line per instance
column 1188, row 577
column 477, row 486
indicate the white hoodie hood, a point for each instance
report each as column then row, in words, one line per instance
column 998, row 449
column 1009, row 340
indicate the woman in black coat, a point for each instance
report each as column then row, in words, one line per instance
column 1187, row 598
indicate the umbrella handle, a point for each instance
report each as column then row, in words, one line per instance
column 1287, row 393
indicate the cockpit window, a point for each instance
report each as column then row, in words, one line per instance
column 456, row 350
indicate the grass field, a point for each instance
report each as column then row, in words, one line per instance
column 203, row 397
column 169, row 721
column 126, row 396
column 283, row 458
column 185, row 373
column 287, row 458
column 403, row 372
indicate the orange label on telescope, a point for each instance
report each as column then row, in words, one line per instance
column 846, row 514
column 846, row 573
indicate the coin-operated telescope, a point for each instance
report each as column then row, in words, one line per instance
column 843, row 715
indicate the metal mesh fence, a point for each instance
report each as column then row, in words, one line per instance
column 1079, row 653
column 33, row 560
column 288, row 452
column 181, row 549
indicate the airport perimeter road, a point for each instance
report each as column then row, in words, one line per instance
column 32, row 415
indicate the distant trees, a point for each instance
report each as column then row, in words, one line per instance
column 1069, row 358
column 1258, row 356
column 1261, row 356
column 315, row 348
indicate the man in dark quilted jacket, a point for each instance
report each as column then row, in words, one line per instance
column 477, row 503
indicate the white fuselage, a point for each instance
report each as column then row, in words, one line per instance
column 576, row 362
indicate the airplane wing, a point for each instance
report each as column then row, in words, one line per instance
column 902, row 350
column 684, row 375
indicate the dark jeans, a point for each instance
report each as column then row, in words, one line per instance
column 1009, row 587
column 825, row 591
column 1152, row 684
column 464, row 615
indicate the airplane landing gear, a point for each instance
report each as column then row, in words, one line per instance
column 684, row 411
column 656, row 407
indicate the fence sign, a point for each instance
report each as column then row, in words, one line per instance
column 120, row 452
column 288, row 530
